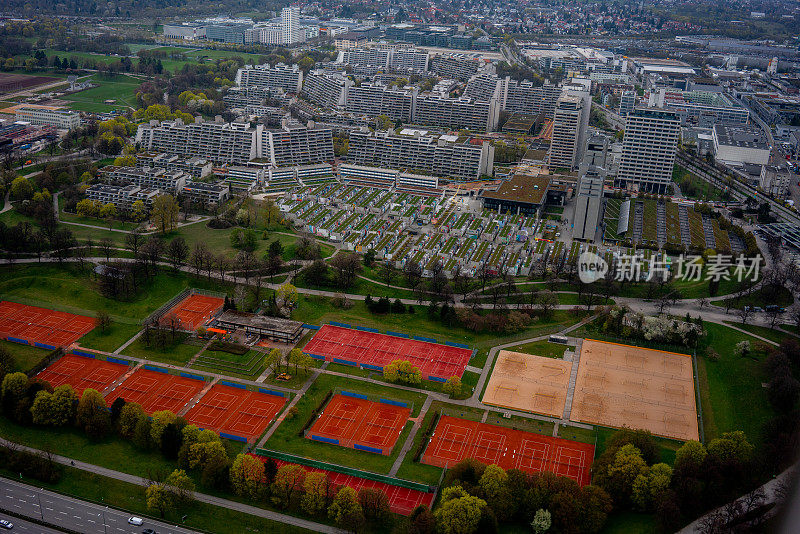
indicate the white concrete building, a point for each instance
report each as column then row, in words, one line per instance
column 648, row 150
column 62, row 119
column 279, row 77
column 569, row 130
column 735, row 145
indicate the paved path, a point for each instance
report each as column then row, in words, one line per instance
column 200, row 497
column 573, row 377
column 289, row 405
column 127, row 343
column 199, row 352
column 410, row 439
column 7, row 203
column 194, row 400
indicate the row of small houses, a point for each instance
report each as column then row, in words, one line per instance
column 397, row 227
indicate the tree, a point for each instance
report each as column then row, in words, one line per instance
column 627, row 465
column 401, row 371
column 160, row 421
column 287, row 296
column 541, row 521
column 159, row 499
column 177, row 252
column 319, row 491
column 247, row 475
column 108, row 212
column 164, row 214
column 56, row 408
column 138, row 211
column 273, row 359
column 103, row 320
column 295, row 357
column 742, row 349
column 288, row 481
column 87, row 208
column 346, row 511
column 459, row 512
column 649, row 487
column 452, row 386
column 92, row 414
column 181, row 486
column 421, row 521
column 346, row 266
column 374, row 505
column 129, row 417
column 21, row 188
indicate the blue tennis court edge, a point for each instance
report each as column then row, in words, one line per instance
column 324, row 439
column 156, row 369
column 271, row 392
column 368, row 449
column 232, row 384
column 354, row 395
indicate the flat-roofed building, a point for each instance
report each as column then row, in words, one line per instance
column 524, row 97
column 373, row 99
column 122, row 196
column 448, row 156
column 457, row 113
column 281, row 76
column 521, row 194
column 569, row 129
column 455, row 66
column 146, row 177
column 588, row 204
column 274, row 328
column 206, row 194
column 298, row 145
column 326, row 89
column 60, row 118
column 648, row 150
column 735, row 145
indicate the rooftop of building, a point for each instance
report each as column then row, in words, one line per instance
column 521, row 188
column 740, row 136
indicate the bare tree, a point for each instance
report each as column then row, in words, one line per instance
column 106, row 245
column 744, row 313
column 346, row 266
column 413, row 273
column 223, row 264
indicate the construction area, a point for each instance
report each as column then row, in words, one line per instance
column 622, row 385
column 528, row 383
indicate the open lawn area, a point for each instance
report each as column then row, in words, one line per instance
column 177, row 353
column 25, row 356
column 768, row 333
column 286, row 437
column 117, row 87
column 760, row 297
column 110, row 339
column 730, row 389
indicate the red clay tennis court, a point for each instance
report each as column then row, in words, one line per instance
column 156, row 391
column 231, row 411
column 195, row 310
column 22, row 323
column 455, row 439
column 401, row 500
column 359, row 423
column 373, row 350
column 82, row 373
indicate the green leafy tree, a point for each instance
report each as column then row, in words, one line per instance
column 375, row 506
column 650, row 486
column 56, row 408
column 319, row 491
column 402, row 372
column 205, row 452
column 459, row 512
column 273, row 359
column 15, row 386
column 159, row 499
column 160, row 421
column 452, row 386
column 345, row 510
column 92, row 414
column 541, row 521
column 296, row 358
column 164, row 214
column 21, row 188
column 181, row 486
column 287, row 296
column 627, row 465
column 87, row 208
column 247, row 476
column 286, row 486
column 129, row 418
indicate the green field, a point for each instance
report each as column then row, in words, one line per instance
column 120, row 87
column 175, row 353
column 543, row 348
column 25, row 356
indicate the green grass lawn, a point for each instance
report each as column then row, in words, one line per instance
column 177, row 353
column 630, row 523
column 769, row 333
column 760, row 297
column 730, row 389
column 111, row 338
column 543, row 348
column 286, row 436
column 362, row 287
column 94, row 221
column 25, row 356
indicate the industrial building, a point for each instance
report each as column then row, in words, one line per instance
column 735, row 145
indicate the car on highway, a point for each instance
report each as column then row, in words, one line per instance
column 136, row 521
column 149, row 531
column 8, row 525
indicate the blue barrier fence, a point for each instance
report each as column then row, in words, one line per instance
column 394, row 402
column 233, row 437
column 372, row 367
column 343, row 325
column 317, row 356
column 368, row 329
column 310, row 326
column 44, row 346
column 271, row 392
column 82, row 353
column 354, row 395
column 18, row 340
column 368, row 449
column 117, row 360
column 324, row 439
column 428, row 339
column 437, row 379
column 397, row 334
column 193, row 377
column 345, row 362
column 232, row 384
column 454, row 344
column 156, row 369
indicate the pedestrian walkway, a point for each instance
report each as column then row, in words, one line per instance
column 194, row 400
column 199, row 352
column 112, row 386
column 410, row 439
column 271, row 430
column 573, row 377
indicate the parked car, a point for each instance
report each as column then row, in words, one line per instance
column 136, row 521
column 8, row 525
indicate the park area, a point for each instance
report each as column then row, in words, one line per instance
column 373, row 350
column 351, row 420
column 455, row 439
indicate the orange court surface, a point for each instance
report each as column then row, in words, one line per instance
column 455, row 439
column 621, row 385
column 19, row 322
column 230, row 410
column 359, row 423
column 529, row 383
column 156, row 391
column 82, row 373
column 195, row 310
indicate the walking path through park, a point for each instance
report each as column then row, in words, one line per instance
column 411, row 435
column 201, row 497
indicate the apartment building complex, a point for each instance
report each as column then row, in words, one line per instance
column 122, row 196
column 455, row 66
column 62, row 119
column 457, row 113
column 195, row 167
column 218, row 141
column 570, row 121
column 326, row 89
column 146, row 177
column 281, row 76
column 239, row 97
column 297, row 145
column 375, row 99
column 386, row 59
column 648, row 150
column 206, row 194
column 450, row 156
column 484, row 87
column 700, row 108
column 524, row 97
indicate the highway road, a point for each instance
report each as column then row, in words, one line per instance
column 20, row 525
column 70, row 513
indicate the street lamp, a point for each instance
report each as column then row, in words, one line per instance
column 41, row 509
column 105, row 525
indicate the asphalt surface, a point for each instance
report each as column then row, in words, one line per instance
column 70, row 513
column 20, row 525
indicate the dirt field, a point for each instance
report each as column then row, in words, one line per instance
column 528, row 383
column 621, row 385
column 10, row 82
